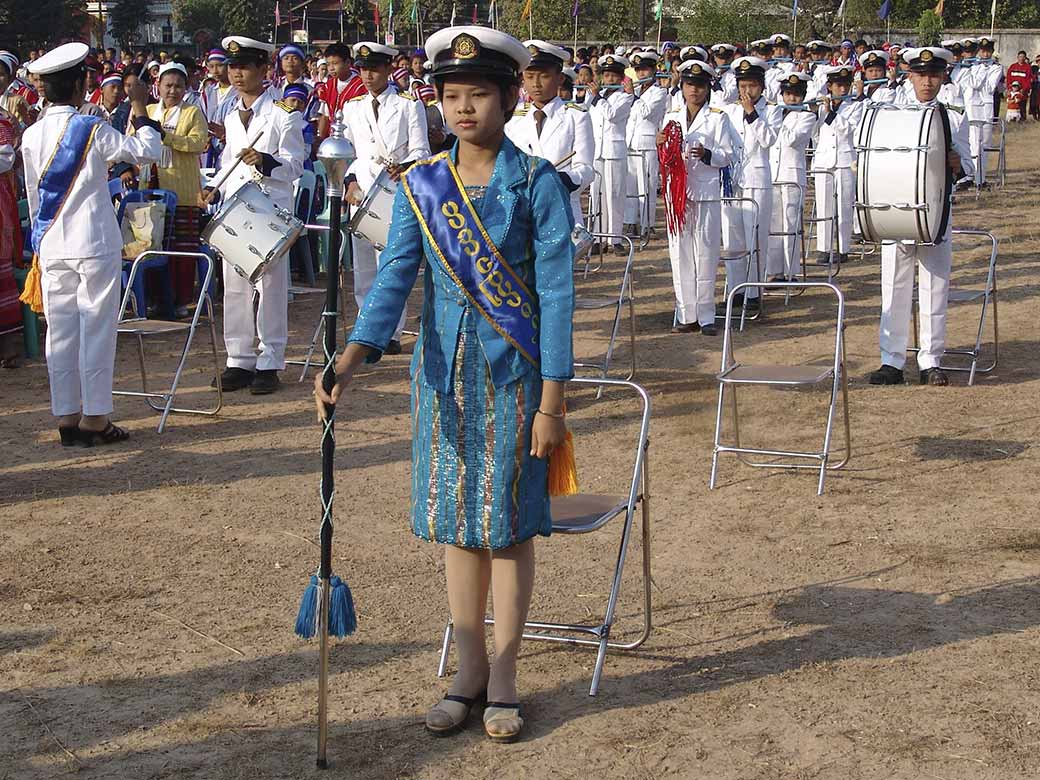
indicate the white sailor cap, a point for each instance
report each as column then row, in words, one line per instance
column 613, row 62
column 476, row 50
column 927, row 59
column 693, row 53
column 761, row 43
column 570, row 74
column 645, row 58
column 970, row 43
column 839, row 72
column 794, row 80
column 695, row 71
column 985, row 42
column 152, row 64
column 779, row 39
column 241, row 49
column 724, row 48
column 818, row 45
column 950, row 43
column 66, row 56
column 545, row 54
column 749, row 67
column 372, row 53
column 176, row 67
column 874, row 57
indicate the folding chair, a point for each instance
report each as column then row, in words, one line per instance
column 141, row 328
column 987, row 295
column 618, row 302
column 734, row 374
column 998, row 148
column 747, row 250
column 783, row 190
column 643, row 198
column 816, row 220
column 585, row 513
column 159, row 261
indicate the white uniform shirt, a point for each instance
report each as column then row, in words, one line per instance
column 399, row 135
column 647, row 112
column 835, row 148
column 282, row 139
column 787, row 155
column 755, row 139
column 726, row 93
column 889, row 93
column 217, row 103
column 609, row 122
column 709, row 129
column 567, row 127
column 86, row 225
column 983, row 81
column 774, row 78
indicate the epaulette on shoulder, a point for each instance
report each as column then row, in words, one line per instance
column 577, row 106
column 284, row 106
column 519, row 111
column 717, row 110
column 407, row 95
column 357, row 98
column 951, row 107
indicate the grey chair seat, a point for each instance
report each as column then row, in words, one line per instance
column 142, row 327
column 786, row 375
column 584, row 512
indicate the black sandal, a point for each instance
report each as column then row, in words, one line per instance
column 456, row 717
column 112, row 434
column 70, row 435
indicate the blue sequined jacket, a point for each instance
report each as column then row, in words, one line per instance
column 526, row 212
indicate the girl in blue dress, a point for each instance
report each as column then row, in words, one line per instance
column 493, row 355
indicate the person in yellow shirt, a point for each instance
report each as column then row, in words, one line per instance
column 185, row 136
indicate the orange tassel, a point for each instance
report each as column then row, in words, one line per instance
column 32, row 293
column 563, row 471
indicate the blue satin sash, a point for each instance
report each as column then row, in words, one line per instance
column 61, row 171
column 468, row 255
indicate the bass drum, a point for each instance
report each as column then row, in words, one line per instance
column 903, row 184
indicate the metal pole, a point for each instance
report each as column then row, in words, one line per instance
column 642, row 20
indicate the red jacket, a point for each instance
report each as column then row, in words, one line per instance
column 333, row 99
column 1021, row 73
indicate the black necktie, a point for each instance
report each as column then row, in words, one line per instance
column 539, row 120
column 375, row 107
column 245, row 114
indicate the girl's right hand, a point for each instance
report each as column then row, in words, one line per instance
column 322, row 399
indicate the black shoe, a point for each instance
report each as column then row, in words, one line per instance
column 843, row 258
column 621, row 250
column 754, row 305
column 234, row 379
column 935, row 377
column 886, row 375
column 822, row 258
column 685, row 327
column 709, row 330
column 393, row 348
column 265, row 382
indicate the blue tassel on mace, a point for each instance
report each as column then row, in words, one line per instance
column 342, row 616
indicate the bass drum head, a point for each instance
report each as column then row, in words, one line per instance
column 935, row 181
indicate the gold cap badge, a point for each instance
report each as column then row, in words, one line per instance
column 465, row 47
column 364, row 51
column 926, row 56
column 233, row 46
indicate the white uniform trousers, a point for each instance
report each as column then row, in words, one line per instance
column 785, row 255
column 979, row 136
column 695, row 262
column 845, row 181
column 736, row 270
column 81, row 303
column 897, row 287
column 608, row 191
column 366, row 264
column 641, row 200
column 270, row 325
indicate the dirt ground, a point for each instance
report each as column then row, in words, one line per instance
column 888, row 629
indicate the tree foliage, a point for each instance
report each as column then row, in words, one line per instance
column 195, row 15
column 252, row 18
column 126, row 17
column 37, row 24
column 929, row 28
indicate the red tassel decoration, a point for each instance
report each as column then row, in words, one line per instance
column 673, row 174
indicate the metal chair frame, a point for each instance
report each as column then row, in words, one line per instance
column 142, row 327
column 598, row 636
column 625, row 295
column 833, row 269
column 753, row 254
column 648, row 218
column 799, row 234
column 734, row 374
column 982, row 158
column 988, row 295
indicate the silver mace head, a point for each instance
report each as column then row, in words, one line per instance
column 336, row 153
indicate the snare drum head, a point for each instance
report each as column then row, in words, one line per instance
column 371, row 220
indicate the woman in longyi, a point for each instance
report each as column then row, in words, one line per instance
column 490, row 365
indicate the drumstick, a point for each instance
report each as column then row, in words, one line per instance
column 224, row 177
column 562, row 160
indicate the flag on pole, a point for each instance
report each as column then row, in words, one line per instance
column 841, row 8
column 574, row 11
column 491, row 13
column 794, row 9
column 658, row 10
column 993, row 12
column 474, row 13
column 527, row 10
column 415, row 12
column 277, row 15
column 885, row 10
column 375, row 13
column 940, row 7
column 453, row 14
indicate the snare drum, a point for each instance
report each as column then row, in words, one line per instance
column 371, row 221
column 250, row 232
column 903, row 184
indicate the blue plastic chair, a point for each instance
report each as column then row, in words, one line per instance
column 304, row 210
column 169, row 200
column 30, row 319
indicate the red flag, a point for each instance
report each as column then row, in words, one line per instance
column 375, row 13
column 277, row 15
column 474, row 13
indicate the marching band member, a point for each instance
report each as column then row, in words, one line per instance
column 983, row 81
column 787, row 161
column 702, row 147
column 16, row 97
column 724, row 91
column 876, row 86
column 927, row 73
column 610, row 109
column 550, row 128
column 566, row 91
column 648, row 110
column 782, row 66
column 277, row 160
column 836, row 153
column 343, row 84
column 819, row 63
column 756, row 124
column 479, row 478
column 77, row 242
column 388, row 129
column 218, row 98
column 291, row 63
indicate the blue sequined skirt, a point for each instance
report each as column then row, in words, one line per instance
column 474, row 482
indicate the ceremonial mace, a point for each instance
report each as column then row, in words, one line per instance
column 327, row 606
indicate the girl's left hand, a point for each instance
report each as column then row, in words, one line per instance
column 547, row 434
